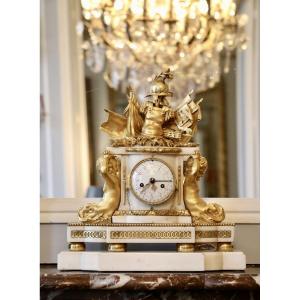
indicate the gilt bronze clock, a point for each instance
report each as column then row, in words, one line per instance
column 151, row 194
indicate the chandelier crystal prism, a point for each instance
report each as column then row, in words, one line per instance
column 129, row 40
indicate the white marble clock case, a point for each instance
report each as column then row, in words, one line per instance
column 131, row 156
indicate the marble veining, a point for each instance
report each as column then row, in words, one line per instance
column 149, row 280
column 78, row 285
column 110, row 281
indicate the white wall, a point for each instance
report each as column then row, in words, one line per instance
column 247, row 106
column 100, row 100
column 64, row 141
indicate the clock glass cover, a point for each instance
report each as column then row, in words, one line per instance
column 152, row 181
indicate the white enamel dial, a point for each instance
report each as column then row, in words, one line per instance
column 152, row 181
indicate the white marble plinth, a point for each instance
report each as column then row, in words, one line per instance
column 152, row 219
column 214, row 261
column 150, row 261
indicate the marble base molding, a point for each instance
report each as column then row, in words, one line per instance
column 150, row 233
column 213, row 242
column 150, row 261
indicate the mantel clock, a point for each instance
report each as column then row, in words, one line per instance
column 151, row 194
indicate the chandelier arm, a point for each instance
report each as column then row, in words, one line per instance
column 128, row 31
column 102, row 18
column 170, row 21
column 128, row 43
column 107, row 42
column 101, row 37
column 202, row 48
column 129, row 46
column 148, row 35
column 186, row 22
column 105, row 27
column 206, row 44
column 205, row 35
column 145, row 13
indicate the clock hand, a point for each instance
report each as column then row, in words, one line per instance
column 154, row 187
column 163, row 180
column 152, row 183
column 146, row 186
column 153, row 180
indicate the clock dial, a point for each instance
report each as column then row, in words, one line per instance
column 152, row 181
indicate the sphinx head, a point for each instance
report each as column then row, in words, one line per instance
column 108, row 164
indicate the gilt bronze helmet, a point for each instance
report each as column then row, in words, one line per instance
column 159, row 87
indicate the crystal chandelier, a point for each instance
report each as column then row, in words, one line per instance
column 131, row 39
